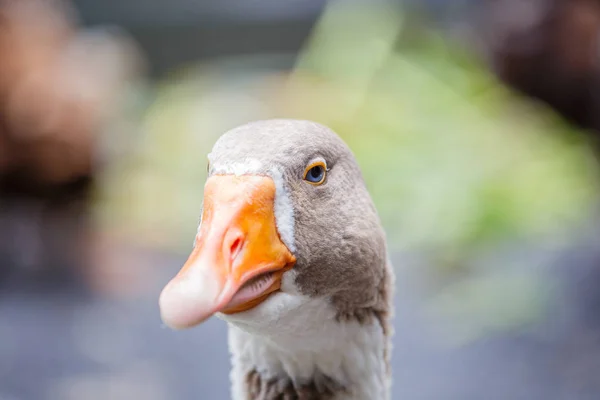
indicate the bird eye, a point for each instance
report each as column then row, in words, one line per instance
column 315, row 173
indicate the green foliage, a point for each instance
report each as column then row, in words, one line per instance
column 456, row 163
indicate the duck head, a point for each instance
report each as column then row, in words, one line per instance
column 285, row 213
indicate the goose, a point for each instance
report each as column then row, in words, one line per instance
column 290, row 252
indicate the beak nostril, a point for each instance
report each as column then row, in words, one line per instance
column 236, row 246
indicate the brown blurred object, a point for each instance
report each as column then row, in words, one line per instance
column 58, row 88
column 549, row 50
column 55, row 86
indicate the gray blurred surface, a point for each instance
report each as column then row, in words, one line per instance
column 156, row 12
column 67, row 344
column 172, row 34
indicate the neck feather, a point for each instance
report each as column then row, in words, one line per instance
column 325, row 358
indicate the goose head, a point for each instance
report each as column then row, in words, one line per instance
column 290, row 252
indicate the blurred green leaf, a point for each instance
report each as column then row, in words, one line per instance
column 456, row 163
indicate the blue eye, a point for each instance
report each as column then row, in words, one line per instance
column 315, row 173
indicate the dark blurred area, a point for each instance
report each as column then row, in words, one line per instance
column 546, row 49
column 57, row 84
column 475, row 125
column 553, row 55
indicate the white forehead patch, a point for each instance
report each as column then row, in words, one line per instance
column 249, row 166
column 284, row 210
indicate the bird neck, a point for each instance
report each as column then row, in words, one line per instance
column 328, row 359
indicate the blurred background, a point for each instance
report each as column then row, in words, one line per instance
column 476, row 124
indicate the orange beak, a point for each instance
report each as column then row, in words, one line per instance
column 238, row 260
